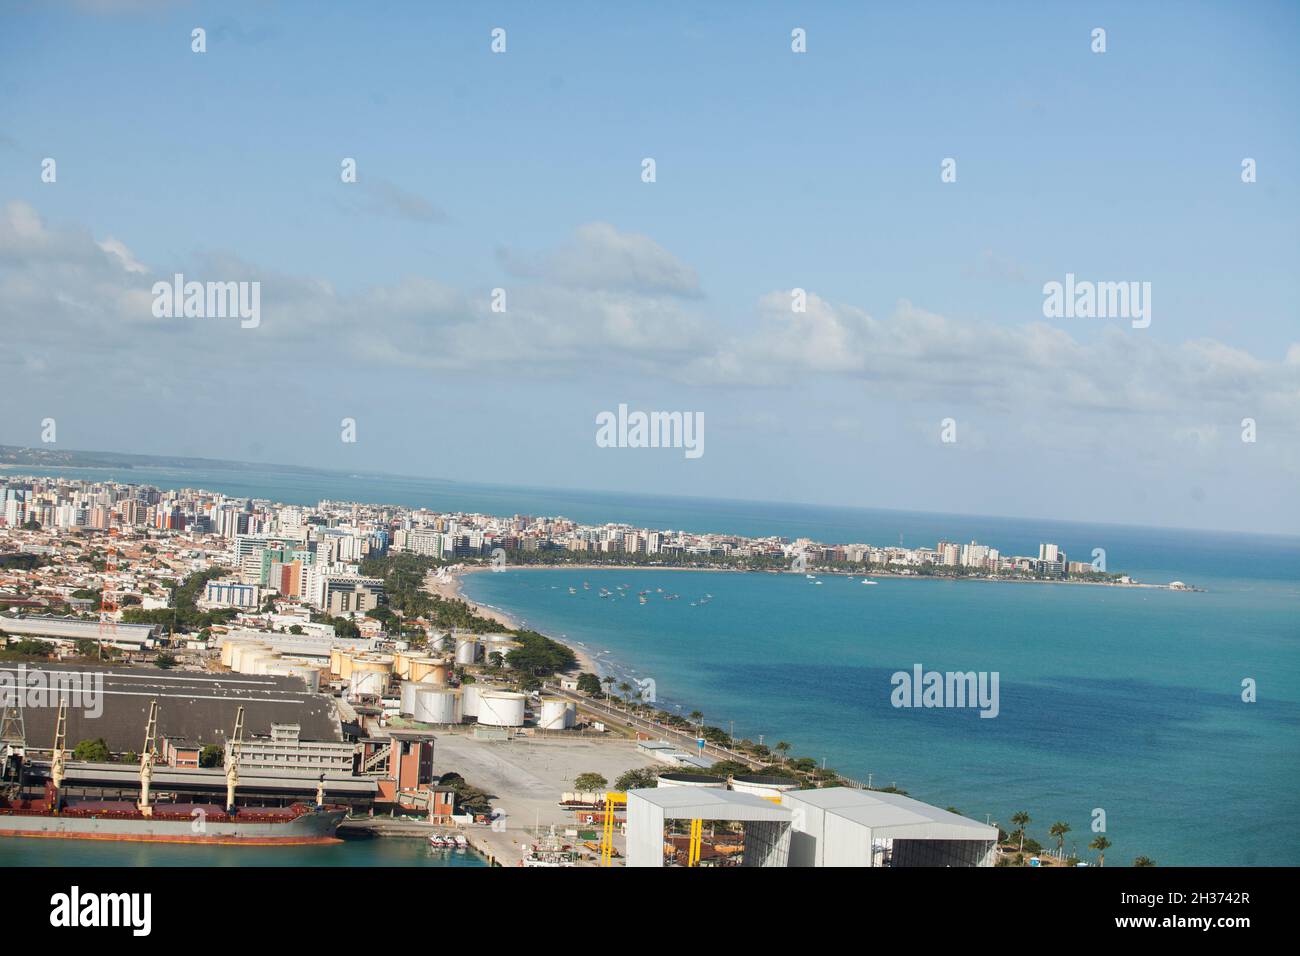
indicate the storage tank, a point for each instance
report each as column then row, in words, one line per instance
column 763, row 785
column 501, row 708
column 439, row 643
column 466, row 650
column 554, row 714
column 241, row 650
column 345, row 665
column 368, row 677
column 691, row 780
column 402, row 666
column 435, row 705
column 407, row 707
column 336, row 662
column 469, row 695
column 264, row 661
column 310, row 674
column 227, row 651
column 426, row 669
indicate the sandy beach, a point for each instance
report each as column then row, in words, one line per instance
column 449, row 588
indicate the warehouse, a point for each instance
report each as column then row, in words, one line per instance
column 113, row 703
column 766, row 826
column 68, row 630
column 841, row 826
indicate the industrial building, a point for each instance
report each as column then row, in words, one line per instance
column 766, row 827
column 114, row 702
column 69, row 630
column 842, row 826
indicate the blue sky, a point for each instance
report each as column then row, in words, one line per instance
column 775, row 171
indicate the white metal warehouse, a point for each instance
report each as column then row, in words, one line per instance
column 766, row 825
column 840, row 826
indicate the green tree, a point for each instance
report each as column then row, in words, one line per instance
column 1059, row 829
column 1021, row 819
column 590, row 782
column 1144, row 861
column 165, row 661
column 589, row 684
column 637, row 779
column 782, row 748
column 92, row 751
column 212, row 756
column 1100, row 844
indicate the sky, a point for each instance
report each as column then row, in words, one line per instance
column 774, row 171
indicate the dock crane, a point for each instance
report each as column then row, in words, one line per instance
column 13, row 746
column 59, row 757
column 147, row 756
column 232, row 760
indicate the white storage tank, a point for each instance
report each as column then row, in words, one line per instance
column 310, row 674
column 407, row 707
column 554, row 714
column 466, row 650
column 368, row 677
column 691, row 780
column 435, row 705
column 469, row 695
column 501, row 708
column 763, row 785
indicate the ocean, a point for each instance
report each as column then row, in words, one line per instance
column 1124, row 701
column 387, row 851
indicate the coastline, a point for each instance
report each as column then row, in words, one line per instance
column 451, row 589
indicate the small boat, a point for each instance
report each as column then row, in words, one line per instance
column 643, row 598
column 573, row 590
column 868, row 581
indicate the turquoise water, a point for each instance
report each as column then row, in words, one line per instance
column 378, row 852
column 1122, row 699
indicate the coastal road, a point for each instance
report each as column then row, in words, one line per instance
column 686, row 741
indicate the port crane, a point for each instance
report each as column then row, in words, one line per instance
column 13, row 745
column 59, row 757
column 232, row 760
column 147, row 756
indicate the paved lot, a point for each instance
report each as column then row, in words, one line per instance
column 527, row 777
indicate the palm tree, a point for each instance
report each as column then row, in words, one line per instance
column 1144, row 861
column 1059, row 830
column 623, row 689
column 782, row 748
column 696, row 716
column 608, row 682
column 1021, row 820
column 1100, row 845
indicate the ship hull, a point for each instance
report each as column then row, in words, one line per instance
column 305, row 829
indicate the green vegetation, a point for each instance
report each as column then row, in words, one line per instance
column 93, row 751
column 637, row 779
column 468, row 799
column 212, row 755
column 28, row 647
column 165, row 661
column 184, row 615
column 590, row 782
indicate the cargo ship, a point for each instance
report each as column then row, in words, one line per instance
column 54, row 816
column 295, row 825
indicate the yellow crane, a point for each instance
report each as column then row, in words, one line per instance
column 147, row 756
column 612, row 799
column 232, row 760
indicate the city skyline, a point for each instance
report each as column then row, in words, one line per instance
column 776, row 172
